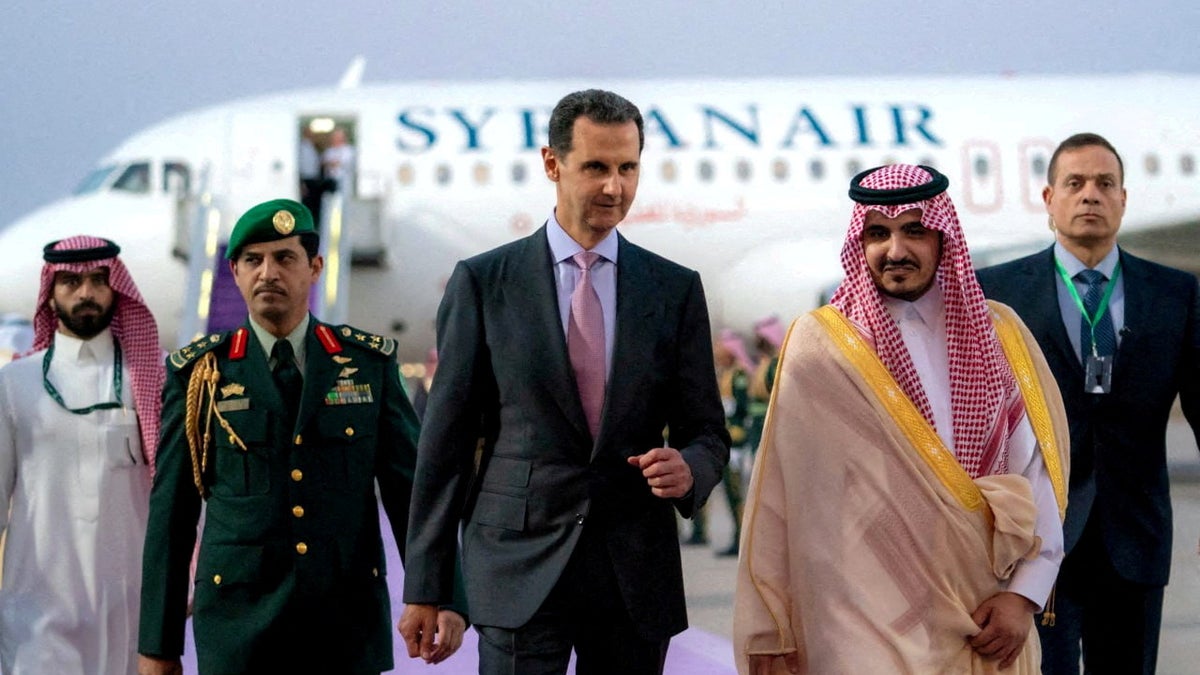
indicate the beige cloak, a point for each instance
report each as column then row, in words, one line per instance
column 866, row 547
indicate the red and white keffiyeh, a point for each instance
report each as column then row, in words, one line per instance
column 133, row 327
column 733, row 342
column 772, row 330
column 985, row 402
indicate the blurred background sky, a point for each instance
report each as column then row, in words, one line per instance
column 78, row 77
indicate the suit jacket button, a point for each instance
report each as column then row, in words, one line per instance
column 579, row 518
column 302, row 548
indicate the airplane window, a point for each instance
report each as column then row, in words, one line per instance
column 1038, row 166
column 405, row 174
column 482, row 173
column 853, row 168
column 443, row 174
column 95, row 179
column 136, row 178
column 669, row 171
column 981, row 166
column 816, row 169
column 780, row 169
column 1152, row 164
column 1187, row 164
column 518, row 172
column 706, row 170
column 743, row 170
column 177, row 179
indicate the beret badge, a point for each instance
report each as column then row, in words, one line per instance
column 284, row 222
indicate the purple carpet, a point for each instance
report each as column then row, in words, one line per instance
column 694, row 652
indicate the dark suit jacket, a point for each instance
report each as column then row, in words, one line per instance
column 504, row 384
column 263, row 601
column 1118, row 440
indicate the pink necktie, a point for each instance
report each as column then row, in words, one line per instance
column 585, row 341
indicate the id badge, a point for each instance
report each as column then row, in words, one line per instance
column 1097, row 377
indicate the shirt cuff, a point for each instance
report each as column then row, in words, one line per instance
column 1033, row 579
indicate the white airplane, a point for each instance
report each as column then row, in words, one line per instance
column 743, row 180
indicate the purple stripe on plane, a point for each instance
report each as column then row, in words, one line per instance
column 693, row 652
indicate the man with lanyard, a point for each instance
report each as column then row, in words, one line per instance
column 78, row 428
column 1122, row 337
column 903, row 516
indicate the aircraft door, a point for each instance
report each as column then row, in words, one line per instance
column 983, row 187
column 1033, row 159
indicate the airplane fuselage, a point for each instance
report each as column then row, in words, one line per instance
column 743, row 180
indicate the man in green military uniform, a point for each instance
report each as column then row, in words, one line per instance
column 282, row 429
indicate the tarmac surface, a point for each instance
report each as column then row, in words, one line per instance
column 705, row 648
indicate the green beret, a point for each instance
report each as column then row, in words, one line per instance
column 270, row 221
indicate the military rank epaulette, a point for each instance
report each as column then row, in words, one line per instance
column 383, row 345
column 180, row 358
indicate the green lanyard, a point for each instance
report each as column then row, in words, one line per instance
column 99, row 406
column 1101, row 309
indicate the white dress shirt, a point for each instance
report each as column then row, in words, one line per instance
column 604, row 279
column 922, row 325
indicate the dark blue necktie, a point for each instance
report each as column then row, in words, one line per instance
column 1106, row 338
column 287, row 376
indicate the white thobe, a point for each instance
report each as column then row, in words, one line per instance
column 923, row 327
column 79, row 488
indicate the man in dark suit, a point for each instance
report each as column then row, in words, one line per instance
column 282, row 428
column 1122, row 336
column 565, row 358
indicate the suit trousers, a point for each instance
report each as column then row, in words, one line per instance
column 584, row 611
column 1116, row 621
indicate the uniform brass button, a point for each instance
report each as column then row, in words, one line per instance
column 302, row 548
column 349, row 431
column 298, row 511
column 232, row 439
column 217, row 579
column 297, row 475
column 299, row 439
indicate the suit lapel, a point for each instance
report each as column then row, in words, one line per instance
column 529, row 288
column 320, row 372
column 633, row 351
column 254, row 373
column 1139, row 304
column 1045, row 319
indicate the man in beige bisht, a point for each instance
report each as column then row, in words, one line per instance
column 905, row 510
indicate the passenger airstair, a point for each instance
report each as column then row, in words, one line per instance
column 212, row 301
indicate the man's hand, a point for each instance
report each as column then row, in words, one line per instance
column 764, row 664
column 149, row 665
column 1004, row 620
column 418, row 626
column 665, row 472
column 450, row 628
